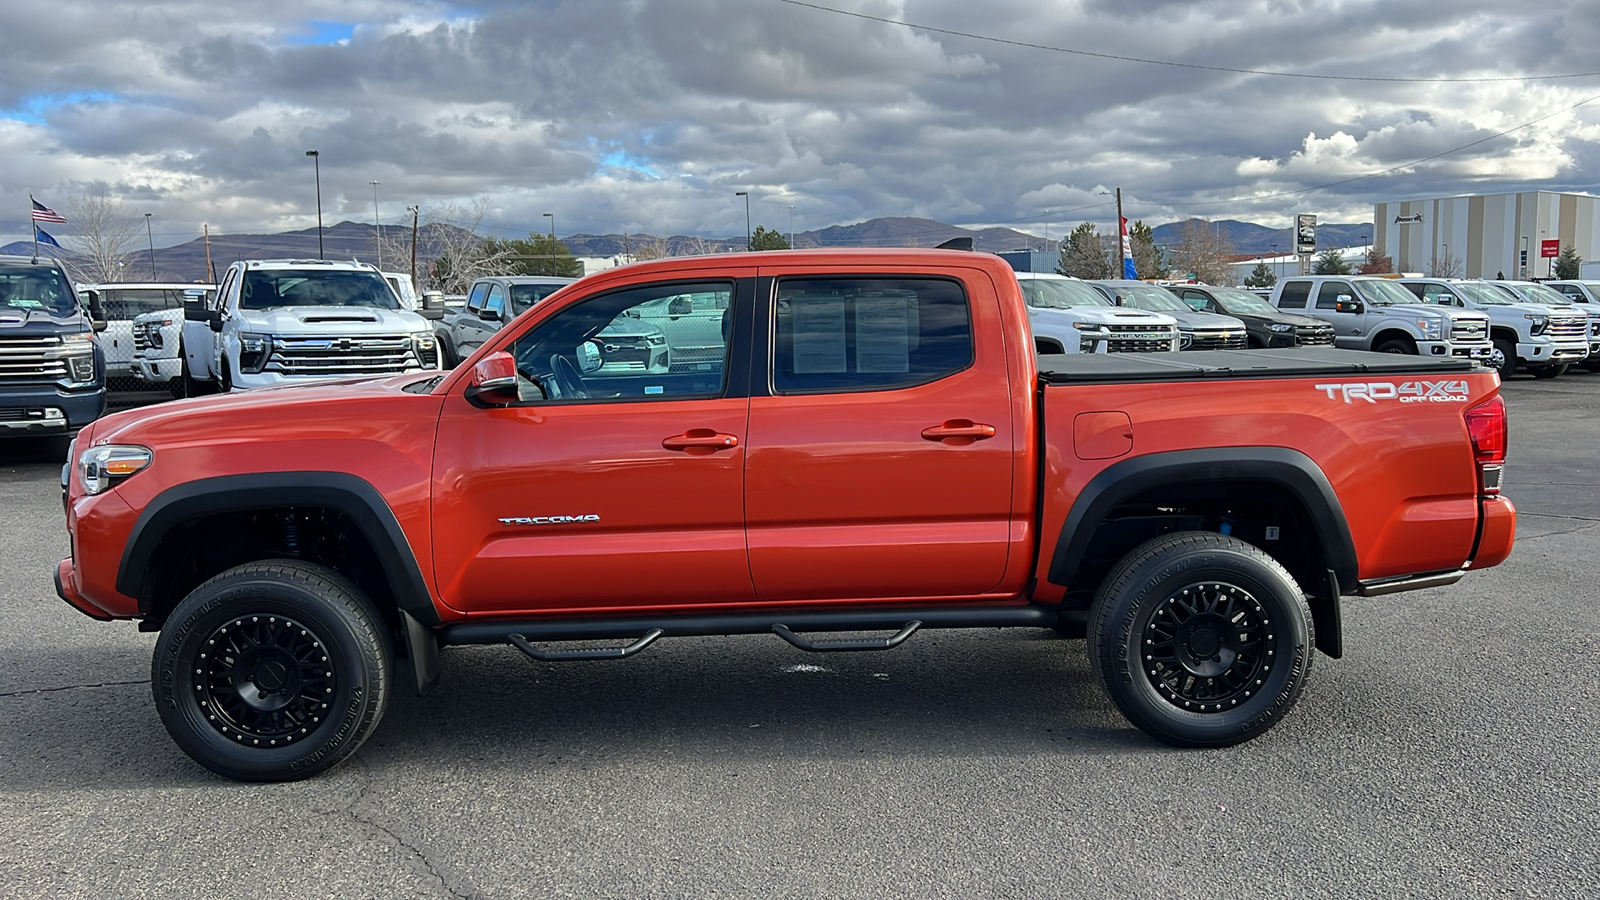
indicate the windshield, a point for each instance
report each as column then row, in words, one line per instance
column 1539, row 293
column 37, row 287
column 1047, row 293
column 526, row 295
column 1383, row 292
column 1149, row 297
column 1242, row 303
column 1481, row 294
column 126, row 303
column 268, row 288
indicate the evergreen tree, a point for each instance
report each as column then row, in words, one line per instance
column 1330, row 262
column 1083, row 254
column 1376, row 264
column 1261, row 276
column 1569, row 264
column 538, row 255
column 1147, row 257
column 768, row 240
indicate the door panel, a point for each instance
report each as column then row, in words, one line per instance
column 848, row 500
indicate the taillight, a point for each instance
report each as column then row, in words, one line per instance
column 1486, row 424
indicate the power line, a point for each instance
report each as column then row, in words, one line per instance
column 1183, row 65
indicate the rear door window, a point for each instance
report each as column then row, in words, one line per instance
column 1294, row 294
column 868, row 334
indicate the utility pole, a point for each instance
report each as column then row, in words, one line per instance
column 377, row 226
column 414, row 211
column 209, row 267
column 1123, row 250
column 151, row 237
column 746, row 196
column 316, row 163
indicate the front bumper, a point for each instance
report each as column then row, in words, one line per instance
column 67, row 589
column 157, row 371
column 47, row 410
column 1456, row 351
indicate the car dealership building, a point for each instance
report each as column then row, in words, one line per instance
column 1489, row 236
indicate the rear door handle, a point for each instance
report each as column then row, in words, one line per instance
column 958, row 431
column 704, row 440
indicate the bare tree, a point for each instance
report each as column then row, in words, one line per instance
column 450, row 252
column 1202, row 249
column 697, row 246
column 649, row 247
column 107, row 235
column 1445, row 265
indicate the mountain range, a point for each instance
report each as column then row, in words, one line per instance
column 355, row 240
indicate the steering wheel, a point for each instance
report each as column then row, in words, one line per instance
column 568, row 379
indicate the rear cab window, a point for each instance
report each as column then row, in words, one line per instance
column 1294, row 295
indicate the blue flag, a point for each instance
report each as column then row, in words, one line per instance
column 43, row 237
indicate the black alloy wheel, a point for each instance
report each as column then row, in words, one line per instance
column 1201, row 640
column 272, row 671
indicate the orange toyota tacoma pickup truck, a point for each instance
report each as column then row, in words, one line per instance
column 876, row 450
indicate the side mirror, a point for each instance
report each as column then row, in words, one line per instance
column 494, row 381
column 97, row 312
column 433, row 299
column 589, row 359
column 489, row 314
column 1346, row 304
column 214, row 319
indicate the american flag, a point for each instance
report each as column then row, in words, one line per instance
column 42, row 213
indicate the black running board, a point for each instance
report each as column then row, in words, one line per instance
column 498, row 631
column 849, row 644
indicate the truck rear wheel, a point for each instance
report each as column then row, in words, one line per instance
column 1202, row 640
column 272, row 671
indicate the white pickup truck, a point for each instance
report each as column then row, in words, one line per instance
column 1543, row 338
column 1069, row 316
column 282, row 321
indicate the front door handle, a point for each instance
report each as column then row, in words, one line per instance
column 701, row 440
column 958, row 431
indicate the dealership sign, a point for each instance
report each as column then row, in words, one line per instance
column 1413, row 219
column 1549, row 248
column 1305, row 233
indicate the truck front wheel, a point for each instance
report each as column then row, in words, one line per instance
column 272, row 671
column 1202, row 640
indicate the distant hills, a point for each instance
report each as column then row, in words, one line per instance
column 354, row 240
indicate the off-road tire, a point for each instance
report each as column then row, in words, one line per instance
column 1555, row 370
column 1397, row 345
column 1235, row 616
column 272, row 671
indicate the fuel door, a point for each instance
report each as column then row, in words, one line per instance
column 1102, row 435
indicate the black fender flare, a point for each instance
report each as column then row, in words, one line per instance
column 1290, row 469
column 340, row 491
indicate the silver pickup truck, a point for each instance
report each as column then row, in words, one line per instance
column 1372, row 313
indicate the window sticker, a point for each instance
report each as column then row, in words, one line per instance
column 818, row 335
column 883, row 335
column 654, row 389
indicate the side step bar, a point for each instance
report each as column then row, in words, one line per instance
column 888, row 643
column 1379, row 587
column 521, row 643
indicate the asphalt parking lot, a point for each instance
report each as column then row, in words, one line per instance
column 1452, row 753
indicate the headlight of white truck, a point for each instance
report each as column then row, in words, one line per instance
column 254, row 350
column 1537, row 323
column 1430, row 329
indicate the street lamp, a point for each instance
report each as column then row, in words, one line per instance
column 552, row 247
column 150, row 236
column 376, row 225
column 746, row 196
column 791, row 226
column 316, row 163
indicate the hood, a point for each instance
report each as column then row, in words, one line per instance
column 1188, row 320
column 331, row 320
column 18, row 322
column 1104, row 315
column 1427, row 310
column 1284, row 318
column 160, row 315
column 1533, row 309
column 276, row 403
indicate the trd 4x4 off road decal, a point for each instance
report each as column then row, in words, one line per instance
column 1405, row 392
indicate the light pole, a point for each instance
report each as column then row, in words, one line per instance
column 376, row 225
column 415, row 210
column 746, row 196
column 316, row 164
column 150, row 236
column 791, row 226
column 552, row 247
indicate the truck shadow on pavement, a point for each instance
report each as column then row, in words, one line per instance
column 1019, row 693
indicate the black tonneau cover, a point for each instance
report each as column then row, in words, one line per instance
column 1120, row 368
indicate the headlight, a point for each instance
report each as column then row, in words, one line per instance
column 80, row 340
column 1087, row 326
column 101, row 467
column 254, row 350
column 424, row 341
column 1430, row 328
column 1282, row 328
column 1540, row 323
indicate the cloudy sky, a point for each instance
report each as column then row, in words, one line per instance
column 648, row 115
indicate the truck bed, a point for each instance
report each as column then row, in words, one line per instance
column 1123, row 368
